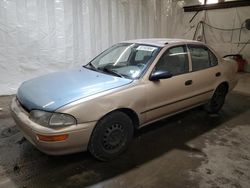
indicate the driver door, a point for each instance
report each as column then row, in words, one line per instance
column 170, row 95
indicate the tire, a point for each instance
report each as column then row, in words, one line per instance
column 111, row 136
column 217, row 100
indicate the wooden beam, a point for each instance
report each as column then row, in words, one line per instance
column 221, row 5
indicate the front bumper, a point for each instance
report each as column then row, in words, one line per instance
column 78, row 135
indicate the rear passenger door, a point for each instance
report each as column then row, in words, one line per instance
column 205, row 72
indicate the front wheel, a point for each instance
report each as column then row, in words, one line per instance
column 111, row 136
column 218, row 99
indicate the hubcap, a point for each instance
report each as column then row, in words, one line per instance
column 113, row 137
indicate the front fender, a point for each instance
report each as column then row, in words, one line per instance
column 92, row 109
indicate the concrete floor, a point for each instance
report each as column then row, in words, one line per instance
column 192, row 149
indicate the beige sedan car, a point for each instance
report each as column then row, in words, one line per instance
column 98, row 106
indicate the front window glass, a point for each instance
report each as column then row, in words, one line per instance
column 125, row 60
column 174, row 60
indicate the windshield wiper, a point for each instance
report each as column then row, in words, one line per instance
column 91, row 66
column 112, row 72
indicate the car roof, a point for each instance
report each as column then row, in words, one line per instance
column 161, row 42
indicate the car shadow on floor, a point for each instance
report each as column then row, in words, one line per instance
column 149, row 143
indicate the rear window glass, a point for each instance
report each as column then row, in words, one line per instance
column 202, row 57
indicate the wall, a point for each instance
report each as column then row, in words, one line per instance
column 225, row 42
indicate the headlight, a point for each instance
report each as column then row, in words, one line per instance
column 40, row 117
column 61, row 119
column 52, row 119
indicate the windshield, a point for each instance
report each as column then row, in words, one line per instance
column 125, row 60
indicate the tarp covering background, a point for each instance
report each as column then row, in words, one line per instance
column 42, row 36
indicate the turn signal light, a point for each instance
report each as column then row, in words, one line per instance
column 52, row 138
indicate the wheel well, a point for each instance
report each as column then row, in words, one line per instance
column 132, row 114
column 225, row 84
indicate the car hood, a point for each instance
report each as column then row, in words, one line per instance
column 52, row 91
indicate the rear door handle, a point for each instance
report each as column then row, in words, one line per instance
column 188, row 82
column 217, row 74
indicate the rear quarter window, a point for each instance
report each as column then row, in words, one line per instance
column 213, row 59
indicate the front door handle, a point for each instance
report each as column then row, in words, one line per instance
column 217, row 74
column 188, row 82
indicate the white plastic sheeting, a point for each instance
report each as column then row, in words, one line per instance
column 41, row 36
column 223, row 41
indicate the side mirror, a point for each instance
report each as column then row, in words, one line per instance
column 157, row 75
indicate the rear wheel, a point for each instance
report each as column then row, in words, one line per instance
column 218, row 99
column 111, row 136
